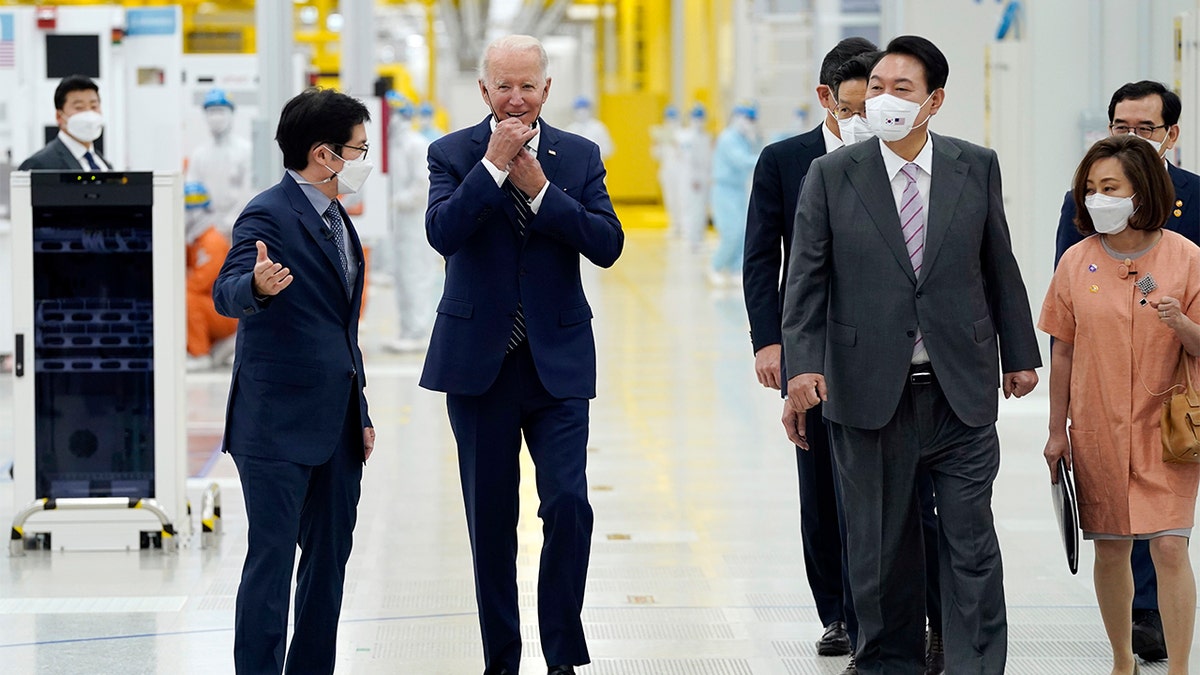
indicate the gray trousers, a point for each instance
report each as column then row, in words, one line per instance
column 878, row 472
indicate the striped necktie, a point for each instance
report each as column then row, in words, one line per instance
column 912, row 226
column 524, row 213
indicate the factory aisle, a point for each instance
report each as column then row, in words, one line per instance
column 696, row 564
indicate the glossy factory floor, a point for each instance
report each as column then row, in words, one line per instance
column 696, row 564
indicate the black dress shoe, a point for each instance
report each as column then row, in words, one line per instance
column 851, row 668
column 561, row 670
column 1148, row 640
column 935, row 655
column 835, row 641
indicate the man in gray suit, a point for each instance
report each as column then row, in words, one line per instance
column 901, row 291
column 80, row 123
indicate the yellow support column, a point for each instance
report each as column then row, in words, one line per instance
column 633, row 100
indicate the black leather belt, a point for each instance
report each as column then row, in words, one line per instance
column 920, row 373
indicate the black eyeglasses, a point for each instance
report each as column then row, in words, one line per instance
column 1144, row 131
column 362, row 149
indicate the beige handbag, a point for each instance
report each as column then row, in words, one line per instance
column 1181, row 418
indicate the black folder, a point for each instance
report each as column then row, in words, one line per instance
column 1066, row 510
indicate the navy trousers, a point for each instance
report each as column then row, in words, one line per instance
column 488, row 429
column 289, row 504
column 1145, row 581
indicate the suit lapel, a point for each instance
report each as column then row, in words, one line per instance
column 945, row 190
column 812, row 146
column 315, row 226
column 869, row 177
column 547, row 154
column 361, row 263
column 1181, row 206
column 65, row 156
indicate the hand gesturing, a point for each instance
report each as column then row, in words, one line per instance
column 269, row 276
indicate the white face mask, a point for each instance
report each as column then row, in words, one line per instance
column 891, row 117
column 1157, row 145
column 854, row 130
column 219, row 119
column 86, row 126
column 353, row 174
column 1110, row 215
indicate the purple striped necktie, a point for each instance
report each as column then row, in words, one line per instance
column 912, row 226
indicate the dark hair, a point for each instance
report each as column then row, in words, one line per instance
column 1145, row 171
column 317, row 116
column 842, row 52
column 857, row 68
column 69, row 84
column 937, row 69
column 1132, row 91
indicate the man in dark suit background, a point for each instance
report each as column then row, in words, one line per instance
column 902, row 289
column 513, row 203
column 1151, row 111
column 80, row 123
column 297, row 424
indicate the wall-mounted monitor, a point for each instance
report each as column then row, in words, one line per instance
column 72, row 55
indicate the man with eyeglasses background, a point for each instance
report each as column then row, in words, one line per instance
column 1151, row 111
column 297, row 425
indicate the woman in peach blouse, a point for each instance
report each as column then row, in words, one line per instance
column 1121, row 306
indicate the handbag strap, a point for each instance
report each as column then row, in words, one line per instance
column 1186, row 385
column 1185, row 362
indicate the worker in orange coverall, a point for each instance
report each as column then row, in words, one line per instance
column 210, row 336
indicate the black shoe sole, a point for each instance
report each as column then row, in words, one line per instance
column 833, row 649
column 1147, row 645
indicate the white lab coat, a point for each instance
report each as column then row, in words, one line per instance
column 223, row 166
column 595, row 131
column 695, row 152
column 417, row 268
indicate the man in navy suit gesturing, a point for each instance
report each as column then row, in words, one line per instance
column 513, row 203
column 296, row 422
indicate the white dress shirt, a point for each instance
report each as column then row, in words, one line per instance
column 832, row 142
column 78, row 149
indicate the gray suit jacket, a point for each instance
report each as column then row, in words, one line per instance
column 55, row 157
column 853, row 304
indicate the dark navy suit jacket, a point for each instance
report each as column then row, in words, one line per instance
column 489, row 268
column 55, row 157
column 298, row 361
column 769, row 223
column 1184, row 219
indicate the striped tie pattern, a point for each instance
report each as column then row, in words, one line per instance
column 523, row 215
column 334, row 214
column 912, row 226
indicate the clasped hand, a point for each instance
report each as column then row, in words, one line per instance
column 506, row 150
